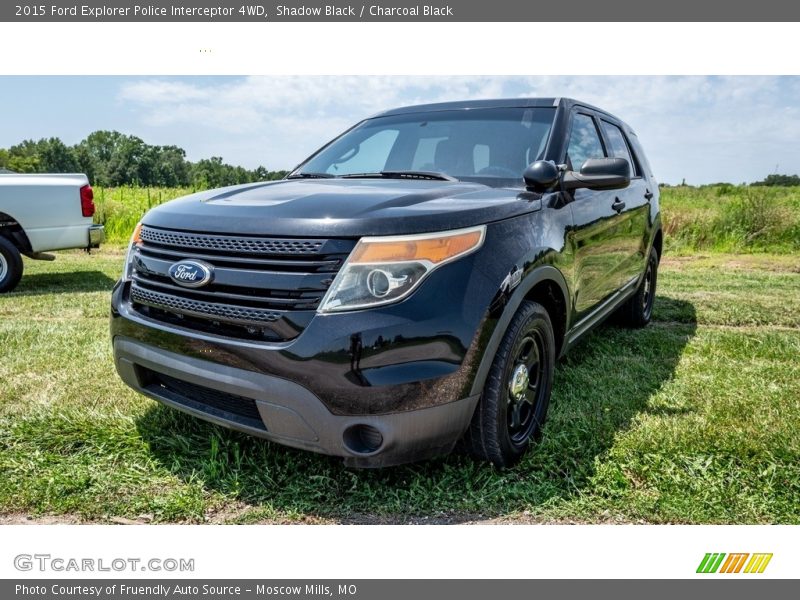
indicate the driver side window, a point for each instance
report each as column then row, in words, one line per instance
column 584, row 141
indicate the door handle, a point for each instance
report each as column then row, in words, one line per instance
column 618, row 205
column 648, row 194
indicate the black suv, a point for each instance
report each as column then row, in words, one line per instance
column 410, row 285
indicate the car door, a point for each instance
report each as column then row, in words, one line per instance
column 595, row 238
column 635, row 210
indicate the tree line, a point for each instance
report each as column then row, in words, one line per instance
column 110, row 158
column 779, row 180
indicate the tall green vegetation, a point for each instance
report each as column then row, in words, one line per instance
column 719, row 218
column 113, row 159
column 729, row 218
column 120, row 208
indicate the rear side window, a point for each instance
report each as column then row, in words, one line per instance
column 640, row 155
column 584, row 141
column 617, row 146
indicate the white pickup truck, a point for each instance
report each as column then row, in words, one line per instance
column 39, row 213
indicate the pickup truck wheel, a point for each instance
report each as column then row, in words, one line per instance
column 513, row 406
column 10, row 266
column 638, row 310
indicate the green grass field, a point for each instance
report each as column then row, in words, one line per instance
column 691, row 420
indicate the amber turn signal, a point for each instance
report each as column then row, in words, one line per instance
column 137, row 231
column 435, row 249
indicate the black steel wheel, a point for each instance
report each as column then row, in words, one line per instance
column 638, row 310
column 513, row 406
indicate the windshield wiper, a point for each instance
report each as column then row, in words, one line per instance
column 311, row 176
column 435, row 175
column 432, row 175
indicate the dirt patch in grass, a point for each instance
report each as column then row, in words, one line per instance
column 776, row 263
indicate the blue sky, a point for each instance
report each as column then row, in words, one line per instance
column 703, row 129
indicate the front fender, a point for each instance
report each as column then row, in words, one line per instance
column 503, row 310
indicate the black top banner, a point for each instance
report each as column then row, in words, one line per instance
column 401, row 10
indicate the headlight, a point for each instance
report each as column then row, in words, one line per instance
column 127, row 268
column 382, row 270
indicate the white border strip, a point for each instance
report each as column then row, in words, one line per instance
column 398, row 48
column 428, row 552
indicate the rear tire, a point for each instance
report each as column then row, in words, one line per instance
column 638, row 309
column 10, row 265
column 514, row 403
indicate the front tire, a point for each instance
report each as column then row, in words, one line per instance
column 514, row 403
column 10, row 265
column 638, row 309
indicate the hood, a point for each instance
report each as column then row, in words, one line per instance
column 341, row 207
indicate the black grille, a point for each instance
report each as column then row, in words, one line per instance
column 221, row 312
column 219, row 404
column 225, row 243
column 268, row 288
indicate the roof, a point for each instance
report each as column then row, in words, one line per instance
column 565, row 103
column 490, row 103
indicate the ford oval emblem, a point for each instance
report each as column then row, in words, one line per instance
column 191, row 273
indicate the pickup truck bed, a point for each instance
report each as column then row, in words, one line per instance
column 40, row 213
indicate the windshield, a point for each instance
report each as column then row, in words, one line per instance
column 488, row 145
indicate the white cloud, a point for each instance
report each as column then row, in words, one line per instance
column 701, row 128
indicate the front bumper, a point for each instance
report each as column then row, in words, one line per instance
column 97, row 235
column 286, row 412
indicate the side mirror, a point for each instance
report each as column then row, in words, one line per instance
column 541, row 175
column 600, row 174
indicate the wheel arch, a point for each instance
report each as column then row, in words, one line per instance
column 545, row 285
column 658, row 242
column 11, row 229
